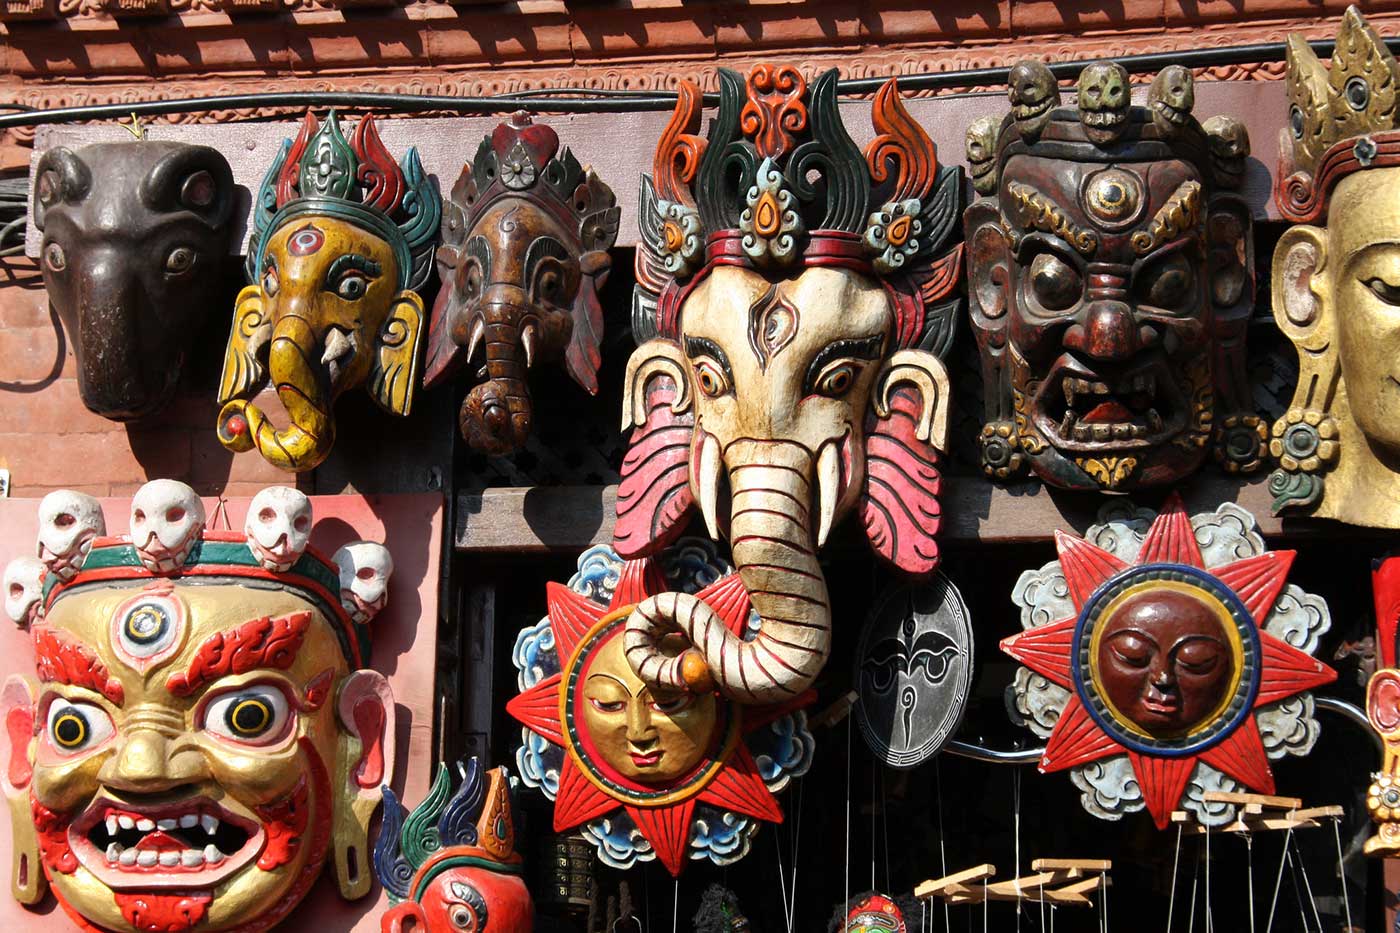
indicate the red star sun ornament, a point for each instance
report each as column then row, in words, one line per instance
column 1168, row 660
column 681, row 768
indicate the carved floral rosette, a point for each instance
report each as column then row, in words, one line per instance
column 713, row 811
column 1267, row 713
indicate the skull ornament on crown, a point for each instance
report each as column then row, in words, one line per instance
column 795, row 296
column 1110, row 278
column 68, row 521
column 204, row 732
column 1335, row 282
column 342, row 240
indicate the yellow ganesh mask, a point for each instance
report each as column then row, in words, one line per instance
column 203, row 732
column 343, row 240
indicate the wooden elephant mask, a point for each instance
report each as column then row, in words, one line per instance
column 135, row 237
column 203, row 733
column 791, row 367
column 1110, row 278
column 525, row 239
column 343, row 240
column 1336, row 284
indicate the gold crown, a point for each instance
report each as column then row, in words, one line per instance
column 1353, row 98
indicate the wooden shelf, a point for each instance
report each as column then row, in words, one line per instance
column 542, row 519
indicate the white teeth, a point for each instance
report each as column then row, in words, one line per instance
column 337, row 345
column 828, row 487
column 212, row 855
column 170, row 858
column 128, row 857
column 145, row 826
column 708, row 482
column 146, row 859
column 126, row 822
column 210, row 824
column 191, row 857
column 167, row 824
column 189, row 821
column 111, row 824
column 114, row 852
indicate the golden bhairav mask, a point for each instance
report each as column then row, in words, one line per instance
column 1110, row 278
column 203, row 733
column 343, row 240
column 1336, row 288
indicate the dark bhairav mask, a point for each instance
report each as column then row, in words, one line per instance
column 1110, row 281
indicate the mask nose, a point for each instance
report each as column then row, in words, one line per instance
column 149, row 759
column 639, row 730
column 1108, row 331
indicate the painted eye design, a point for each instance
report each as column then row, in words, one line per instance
column 607, row 706
column 836, row 381
column 74, row 727
column 255, row 715
column 55, row 258
column 710, row 379
column 270, row 281
column 352, row 287
column 181, row 259
column 671, row 706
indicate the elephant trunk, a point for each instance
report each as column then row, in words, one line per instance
column 305, row 395
column 496, row 414
column 772, row 537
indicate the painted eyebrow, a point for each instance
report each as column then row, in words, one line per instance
column 480, row 248
column 348, row 261
column 269, row 642
column 60, row 660
column 863, row 348
column 703, row 346
column 541, row 248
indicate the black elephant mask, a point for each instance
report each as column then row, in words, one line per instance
column 134, row 233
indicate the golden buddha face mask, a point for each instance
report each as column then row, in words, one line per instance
column 201, row 736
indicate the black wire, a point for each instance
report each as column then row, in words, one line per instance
column 587, row 100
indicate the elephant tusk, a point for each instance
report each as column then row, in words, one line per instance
column 707, row 482
column 338, row 344
column 527, row 339
column 828, row 489
column 478, row 331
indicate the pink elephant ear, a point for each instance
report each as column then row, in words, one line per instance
column 900, row 505
column 653, row 497
column 583, row 355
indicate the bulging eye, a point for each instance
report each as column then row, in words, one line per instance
column 463, row 918
column 75, row 727
column 352, row 287
column 1056, row 285
column 181, row 259
column 712, row 382
column 1169, row 284
column 255, row 715
column 270, row 281
column 836, row 381
column 55, row 258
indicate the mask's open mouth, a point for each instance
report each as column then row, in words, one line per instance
column 1079, row 409
column 191, row 843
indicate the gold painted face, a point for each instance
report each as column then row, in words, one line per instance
column 1363, row 230
column 185, row 777
column 649, row 736
column 327, row 273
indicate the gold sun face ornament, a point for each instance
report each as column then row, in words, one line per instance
column 1156, row 650
column 202, row 734
column 648, row 773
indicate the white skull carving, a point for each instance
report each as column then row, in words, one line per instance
column 278, row 527
column 68, row 521
column 167, row 519
column 24, row 589
column 365, row 569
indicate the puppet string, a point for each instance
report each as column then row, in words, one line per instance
column 1016, row 823
column 1176, row 860
column 885, row 827
column 782, row 880
column 676, row 904
column 1249, row 877
column 874, row 767
column 1195, row 876
column 1341, row 869
column 942, row 851
column 1278, row 881
column 1307, row 884
column 847, row 898
column 796, row 847
column 1297, row 891
column 1209, row 916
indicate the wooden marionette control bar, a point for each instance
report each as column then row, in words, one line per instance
column 1259, row 813
column 533, row 520
column 1054, row 881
